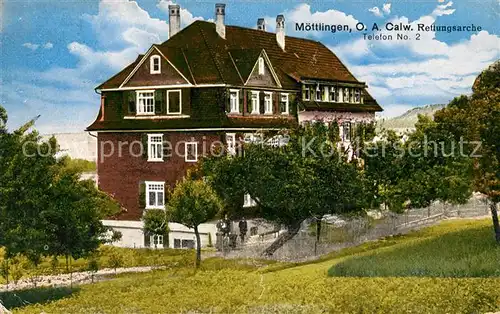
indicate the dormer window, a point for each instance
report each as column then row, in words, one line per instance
column 318, row 93
column 306, row 92
column 155, row 64
column 346, row 95
column 261, row 66
column 284, row 104
column 333, row 94
column 255, row 103
column 357, row 96
column 268, row 103
column 234, row 101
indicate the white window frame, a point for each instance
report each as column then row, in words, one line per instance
column 307, row 91
column 149, row 189
column 333, row 94
column 261, row 66
column 326, row 92
column 268, row 101
column 344, row 98
column 287, row 102
column 231, row 143
column 317, row 93
column 155, row 147
column 342, row 125
column 256, row 106
column 152, row 63
column 159, row 242
column 180, row 101
column 140, row 108
column 235, row 109
column 195, row 152
column 357, row 95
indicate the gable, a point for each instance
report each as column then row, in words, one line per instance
column 267, row 77
column 143, row 77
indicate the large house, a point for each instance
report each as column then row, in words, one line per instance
column 210, row 83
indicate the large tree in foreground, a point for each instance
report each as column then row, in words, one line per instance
column 192, row 203
column 44, row 207
column 308, row 177
column 475, row 120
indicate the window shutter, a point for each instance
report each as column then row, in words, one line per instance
column 276, row 104
column 159, row 101
column 145, row 147
column 241, row 95
column 130, row 99
column 147, row 239
column 261, row 102
column 142, row 194
column 228, row 101
column 249, row 102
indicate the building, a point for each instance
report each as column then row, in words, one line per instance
column 210, row 83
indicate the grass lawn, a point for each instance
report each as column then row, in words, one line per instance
column 250, row 286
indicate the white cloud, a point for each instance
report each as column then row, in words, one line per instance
column 31, row 46
column 376, row 11
column 186, row 16
column 47, row 45
column 443, row 9
column 386, row 8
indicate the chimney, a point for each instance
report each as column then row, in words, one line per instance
column 220, row 14
column 174, row 19
column 261, row 24
column 280, row 31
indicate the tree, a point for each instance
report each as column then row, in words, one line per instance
column 192, row 203
column 308, row 177
column 475, row 120
column 156, row 223
column 45, row 209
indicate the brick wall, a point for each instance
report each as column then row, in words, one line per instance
column 121, row 167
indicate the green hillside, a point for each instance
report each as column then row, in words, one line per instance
column 251, row 286
column 408, row 119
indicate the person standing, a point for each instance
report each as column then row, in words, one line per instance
column 243, row 229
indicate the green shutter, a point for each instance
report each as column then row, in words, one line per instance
column 159, row 101
column 130, row 99
column 249, row 102
column 142, row 194
column 261, row 102
column 228, row 100
column 241, row 95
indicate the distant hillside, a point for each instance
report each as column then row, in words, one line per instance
column 407, row 120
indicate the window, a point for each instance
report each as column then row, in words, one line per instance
column 155, row 65
column 183, row 244
column 146, row 102
column 333, row 94
column 357, row 95
column 306, row 92
column 234, row 101
column 155, row 195
column 156, row 240
column 248, row 201
column 255, row 103
column 346, row 131
column 155, row 147
column 191, row 152
column 261, row 66
column 325, row 93
column 284, row 104
column 268, row 103
column 346, row 94
column 318, row 93
column 174, row 102
column 231, row 143
column 352, row 95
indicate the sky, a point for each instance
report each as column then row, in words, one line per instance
column 53, row 53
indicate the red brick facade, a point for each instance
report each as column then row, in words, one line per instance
column 120, row 171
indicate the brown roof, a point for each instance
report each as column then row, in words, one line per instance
column 201, row 55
